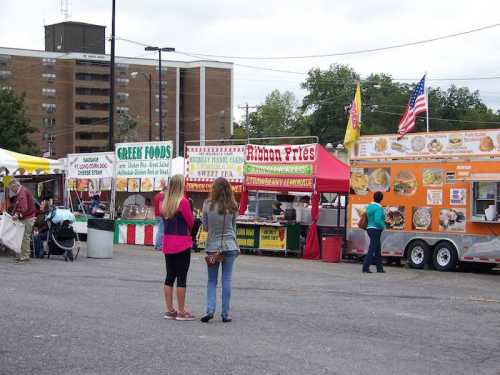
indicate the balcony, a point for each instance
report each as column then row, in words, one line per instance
column 91, row 142
column 91, row 99
column 95, row 128
column 91, row 113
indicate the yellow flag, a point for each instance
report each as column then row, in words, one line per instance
column 354, row 125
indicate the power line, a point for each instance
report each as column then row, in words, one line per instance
column 354, row 52
column 442, row 119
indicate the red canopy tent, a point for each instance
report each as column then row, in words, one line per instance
column 328, row 175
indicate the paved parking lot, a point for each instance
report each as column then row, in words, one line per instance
column 290, row 317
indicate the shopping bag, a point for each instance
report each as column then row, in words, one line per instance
column 11, row 233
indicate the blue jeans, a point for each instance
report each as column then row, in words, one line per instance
column 38, row 240
column 159, row 233
column 374, row 250
column 227, row 272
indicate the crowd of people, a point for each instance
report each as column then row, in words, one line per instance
column 175, row 227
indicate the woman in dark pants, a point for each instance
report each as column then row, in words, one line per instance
column 376, row 224
column 177, row 243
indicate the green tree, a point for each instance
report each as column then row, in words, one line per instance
column 326, row 103
column 126, row 129
column 277, row 117
column 15, row 128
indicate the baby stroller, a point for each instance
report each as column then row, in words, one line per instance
column 61, row 237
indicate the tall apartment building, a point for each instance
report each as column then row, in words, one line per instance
column 67, row 94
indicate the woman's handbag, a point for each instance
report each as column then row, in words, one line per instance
column 363, row 221
column 217, row 257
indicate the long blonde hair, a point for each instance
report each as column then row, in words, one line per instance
column 173, row 196
column 222, row 197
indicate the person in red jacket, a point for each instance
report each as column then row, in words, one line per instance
column 25, row 211
column 177, row 242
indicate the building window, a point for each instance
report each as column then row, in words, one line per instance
column 122, row 82
column 49, row 92
column 4, row 59
column 122, row 96
column 6, row 88
column 48, row 123
column 92, row 106
column 92, row 120
column 5, row 74
column 85, row 149
column 48, row 62
column 49, row 107
column 92, row 77
column 121, row 66
column 91, row 136
column 50, row 77
column 92, row 63
column 122, row 110
column 91, row 91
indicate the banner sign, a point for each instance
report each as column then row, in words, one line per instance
column 206, row 187
column 206, row 163
column 292, row 183
column 271, row 238
column 245, row 236
column 431, row 145
column 283, row 154
column 91, row 165
column 279, row 169
column 143, row 159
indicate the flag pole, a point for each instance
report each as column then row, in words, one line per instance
column 427, row 103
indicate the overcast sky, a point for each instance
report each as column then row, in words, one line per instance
column 290, row 27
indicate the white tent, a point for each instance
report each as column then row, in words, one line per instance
column 14, row 164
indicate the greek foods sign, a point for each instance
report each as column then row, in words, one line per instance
column 141, row 160
column 92, row 165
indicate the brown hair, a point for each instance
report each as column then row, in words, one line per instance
column 222, row 197
column 173, row 196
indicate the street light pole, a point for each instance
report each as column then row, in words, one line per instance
column 164, row 49
column 160, row 88
column 112, row 83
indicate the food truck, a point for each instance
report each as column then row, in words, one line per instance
column 309, row 186
column 441, row 196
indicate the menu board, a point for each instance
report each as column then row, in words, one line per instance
column 94, row 165
column 436, row 144
column 206, row 163
column 146, row 159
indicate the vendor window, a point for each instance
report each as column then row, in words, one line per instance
column 485, row 194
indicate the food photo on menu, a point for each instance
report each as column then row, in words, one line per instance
column 422, row 218
column 432, row 177
column 121, row 184
column 379, row 179
column 452, row 220
column 405, row 183
column 395, row 217
column 359, row 182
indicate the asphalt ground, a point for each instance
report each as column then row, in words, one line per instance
column 291, row 316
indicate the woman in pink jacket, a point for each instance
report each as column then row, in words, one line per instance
column 177, row 243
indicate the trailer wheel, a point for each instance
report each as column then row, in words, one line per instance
column 445, row 257
column 419, row 254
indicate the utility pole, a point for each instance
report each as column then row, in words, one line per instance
column 247, row 107
column 112, row 83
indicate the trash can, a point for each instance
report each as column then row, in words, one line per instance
column 331, row 248
column 100, row 234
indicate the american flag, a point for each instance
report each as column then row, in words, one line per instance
column 416, row 105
